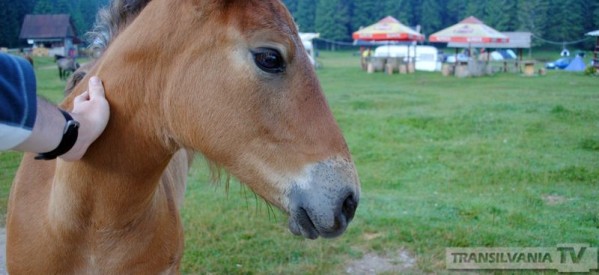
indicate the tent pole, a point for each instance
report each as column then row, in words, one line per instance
column 455, row 64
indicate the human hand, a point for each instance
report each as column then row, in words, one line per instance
column 92, row 111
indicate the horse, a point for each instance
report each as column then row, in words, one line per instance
column 66, row 66
column 228, row 79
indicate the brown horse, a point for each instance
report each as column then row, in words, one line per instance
column 226, row 78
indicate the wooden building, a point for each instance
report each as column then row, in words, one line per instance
column 54, row 33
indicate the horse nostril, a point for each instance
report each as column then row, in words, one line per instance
column 349, row 207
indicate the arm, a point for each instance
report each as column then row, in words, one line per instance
column 17, row 101
column 30, row 124
column 90, row 109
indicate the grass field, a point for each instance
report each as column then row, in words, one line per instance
column 501, row 161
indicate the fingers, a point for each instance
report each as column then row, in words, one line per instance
column 95, row 87
column 82, row 97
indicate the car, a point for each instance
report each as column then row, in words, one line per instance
column 561, row 64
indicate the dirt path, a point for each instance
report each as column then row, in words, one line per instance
column 371, row 263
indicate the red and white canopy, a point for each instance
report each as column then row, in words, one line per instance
column 470, row 30
column 388, row 29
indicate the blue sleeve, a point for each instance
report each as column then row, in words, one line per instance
column 18, row 101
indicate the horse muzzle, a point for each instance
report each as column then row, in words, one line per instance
column 325, row 202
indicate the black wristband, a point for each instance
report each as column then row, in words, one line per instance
column 69, row 137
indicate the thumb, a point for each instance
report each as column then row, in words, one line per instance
column 95, row 88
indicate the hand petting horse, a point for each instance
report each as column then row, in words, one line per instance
column 228, row 79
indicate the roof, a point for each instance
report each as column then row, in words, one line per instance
column 517, row 40
column 593, row 33
column 387, row 29
column 469, row 30
column 47, row 26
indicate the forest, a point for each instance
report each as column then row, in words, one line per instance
column 553, row 20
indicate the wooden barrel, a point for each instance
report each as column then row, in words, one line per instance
column 411, row 67
column 461, row 70
column 403, row 68
column 370, row 68
column 529, row 68
column 447, row 69
column 389, row 69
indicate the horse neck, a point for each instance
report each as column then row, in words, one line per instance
column 117, row 180
column 122, row 169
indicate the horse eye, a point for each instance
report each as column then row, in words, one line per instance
column 269, row 60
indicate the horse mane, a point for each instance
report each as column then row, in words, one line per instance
column 112, row 20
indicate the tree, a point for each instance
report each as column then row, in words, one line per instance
column 401, row 10
column 43, row 7
column 87, row 12
column 365, row 13
column 416, row 10
column 332, row 19
column 565, row 26
column 455, row 11
column 305, row 15
column 501, row 15
column 596, row 16
column 532, row 17
column 476, row 8
column 431, row 16
column 12, row 14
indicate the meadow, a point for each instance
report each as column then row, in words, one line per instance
column 499, row 161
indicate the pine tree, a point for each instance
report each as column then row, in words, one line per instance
column 12, row 14
column 565, row 26
column 417, row 10
column 500, row 15
column 332, row 19
column 455, row 11
column 88, row 10
column 365, row 13
column 476, row 8
column 43, row 7
column 596, row 16
column 401, row 10
column 305, row 15
column 533, row 17
column 431, row 16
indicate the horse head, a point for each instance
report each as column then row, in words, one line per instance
column 231, row 80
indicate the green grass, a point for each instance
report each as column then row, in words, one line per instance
column 494, row 161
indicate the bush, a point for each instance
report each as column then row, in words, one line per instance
column 590, row 70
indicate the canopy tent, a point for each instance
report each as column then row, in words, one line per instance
column 593, row 33
column 577, row 65
column 388, row 29
column 469, row 30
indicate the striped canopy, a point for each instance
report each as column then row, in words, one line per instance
column 388, row 29
column 470, row 30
